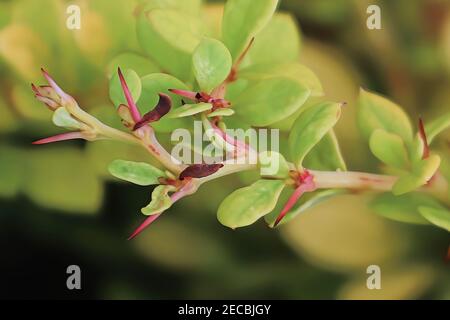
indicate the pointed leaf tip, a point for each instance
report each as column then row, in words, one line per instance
column 131, row 104
column 147, row 222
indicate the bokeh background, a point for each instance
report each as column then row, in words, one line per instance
column 58, row 205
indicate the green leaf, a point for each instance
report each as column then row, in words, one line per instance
column 190, row 6
column 278, row 42
column 377, row 112
column 246, row 205
column 115, row 89
column 421, row 173
column 170, row 37
column 139, row 173
column 133, row 61
column 156, row 83
column 221, row 113
column 273, row 165
column 326, row 155
column 437, row 126
column 294, row 70
column 389, row 148
column 190, row 110
column 266, row 102
column 160, row 200
column 307, row 202
column 212, row 63
column 310, row 127
column 62, row 118
column 437, row 216
column 243, row 20
column 404, row 208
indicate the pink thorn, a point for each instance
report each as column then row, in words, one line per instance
column 55, row 86
column 144, row 225
column 186, row 94
column 34, row 88
column 423, row 136
column 60, row 137
column 131, row 104
column 306, row 186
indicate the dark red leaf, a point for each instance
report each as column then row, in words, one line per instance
column 200, row 170
column 162, row 108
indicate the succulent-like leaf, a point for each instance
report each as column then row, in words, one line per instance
column 326, row 155
column 404, row 208
column 435, row 127
column 437, row 216
column 278, row 42
column 421, row 173
column 139, row 173
column 268, row 101
column 243, row 20
column 273, row 165
column 129, row 60
column 294, row 70
column 170, row 37
column 212, row 63
column 190, row 110
column 226, row 112
column 62, row 118
column 310, row 127
column 245, row 206
column 377, row 112
column 389, row 148
column 160, row 200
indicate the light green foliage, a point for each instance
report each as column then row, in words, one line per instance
column 133, row 61
column 190, row 110
column 212, row 62
column 389, row 148
column 266, row 102
column 139, row 173
column 310, row 127
column 245, row 206
column 243, row 20
column 170, row 37
column 420, row 174
column 376, row 112
column 437, row 216
column 62, row 118
column 437, row 126
column 116, row 93
column 160, row 200
column 278, row 42
column 293, row 70
column 271, row 159
column 404, row 208
column 221, row 113
column 326, row 155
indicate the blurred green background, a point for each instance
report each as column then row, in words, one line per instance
column 58, row 205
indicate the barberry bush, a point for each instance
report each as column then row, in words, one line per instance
column 244, row 74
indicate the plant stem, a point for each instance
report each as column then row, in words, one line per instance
column 353, row 180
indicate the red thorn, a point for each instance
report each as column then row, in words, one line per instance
column 306, row 185
column 144, row 225
column 131, row 104
column 34, row 88
column 60, row 137
column 423, row 136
